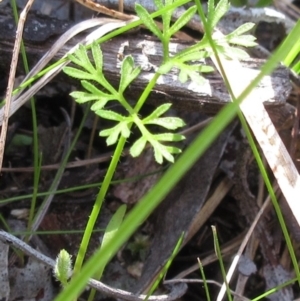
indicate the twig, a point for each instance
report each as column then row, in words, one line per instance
column 104, row 10
column 177, row 290
column 176, row 280
column 11, row 79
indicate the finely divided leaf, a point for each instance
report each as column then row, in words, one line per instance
column 182, row 20
column 138, row 147
column 147, row 20
column 187, row 72
column 82, row 55
column 173, row 150
column 191, row 56
column 77, row 73
column 234, row 52
column 205, row 68
column 98, row 56
column 94, row 90
column 170, row 123
column 241, row 30
column 100, row 104
column 82, row 97
column 114, row 132
column 128, row 73
column 244, row 40
column 166, row 17
column 217, row 13
column 210, row 10
column 157, row 112
column 160, row 152
column 111, row 115
column 169, row 137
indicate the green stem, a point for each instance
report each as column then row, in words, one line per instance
column 107, row 181
column 221, row 263
column 97, row 206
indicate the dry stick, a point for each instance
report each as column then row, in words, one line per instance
column 104, row 10
column 177, row 290
column 11, row 79
column 266, row 135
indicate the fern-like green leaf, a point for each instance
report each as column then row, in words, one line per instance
column 113, row 133
column 187, row 72
column 205, row 68
column 128, row 73
column 97, row 56
column 85, row 60
column 240, row 30
column 80, row 58
column 77, row 73
column 170, row 123
column 182, row 20
column 210, row 10
column 173, row 150
column 100, row 103
column 147, row 20
column 191, row 56
column 166, row 17
column 233, row 52
column 110, row 115
column 169, row 137
column 160, row 110
column 94, row 90
column 160, row 152
column 82, row 97
column 244, row 40
column 216, row 13
column 138, row 146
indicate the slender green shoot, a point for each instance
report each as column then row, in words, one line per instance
column 204, row 280
column 222, row 268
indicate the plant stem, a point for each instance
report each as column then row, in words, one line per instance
column 97, row 206
column 107, row 181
